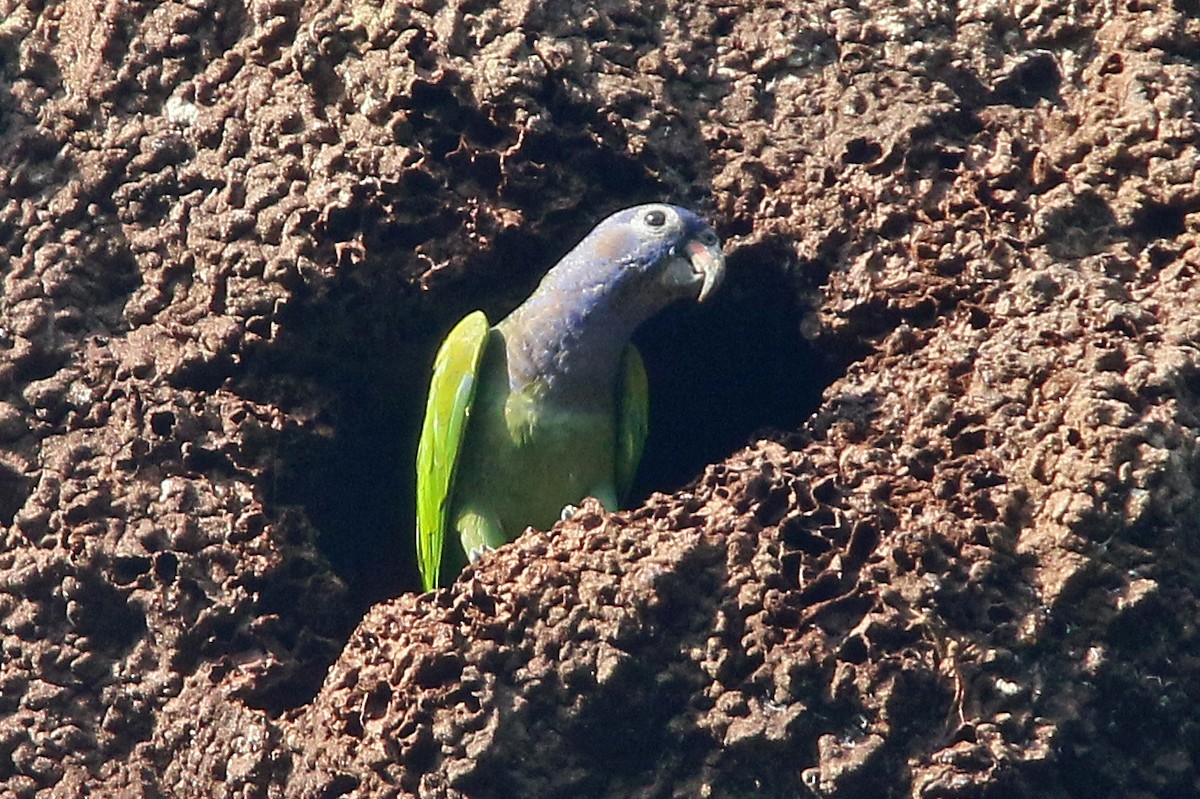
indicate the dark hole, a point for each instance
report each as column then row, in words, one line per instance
column 825, row 586
column 863, row 540
column 202, row 460
column 349, row 470
column 790, row 564
column 560, row 101
column 440, row 669
column 340, row 785
column 483, row 170
column 1139, row 627
column 69, row 325
column 797, row 536
column 127, row 568
column 342, row 223
column 772, row 508
column 39, row 363
column 1040, row 74
column 8, row 228
column 948, row 159
column 442, row 144
column 407, row 235
column 1159, row 221
column 616, row 173
column 1113, row 64
column 725, row 371
column 742, row 226
column 969, row 441
column 483, row 132
column 978, row 318
column 434, row 97
column 854, row 650
column 161, row 422
column 543, row 149
column 1035, row 78
column 14, row 490
column 353, row 363
column 417, row 184
column 204, row 375
column 895, row 226
column 861, row 151
column 106, row 617
column 826, row 490
column 1000, row 614
column 353, row 360
column 166, row 566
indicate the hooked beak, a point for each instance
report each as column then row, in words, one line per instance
column 708, row 262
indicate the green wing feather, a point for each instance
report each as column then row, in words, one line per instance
column 451, row 392
column 633, row 418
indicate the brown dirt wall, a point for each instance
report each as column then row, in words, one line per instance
column 939, row 542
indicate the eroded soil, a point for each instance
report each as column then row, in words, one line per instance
column 963, row 290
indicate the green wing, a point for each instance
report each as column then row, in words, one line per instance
column 451, row 392
column 633, row 418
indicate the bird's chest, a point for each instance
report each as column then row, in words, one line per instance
column 550, row 437
column 530, row 458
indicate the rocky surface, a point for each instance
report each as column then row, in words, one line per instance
column 231, row 236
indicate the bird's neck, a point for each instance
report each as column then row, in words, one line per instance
column 565, row 346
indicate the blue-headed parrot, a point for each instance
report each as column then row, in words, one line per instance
column 550, row 405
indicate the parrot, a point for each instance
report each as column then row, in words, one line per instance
column 526, row 417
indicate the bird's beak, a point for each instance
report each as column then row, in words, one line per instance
column 708, row 261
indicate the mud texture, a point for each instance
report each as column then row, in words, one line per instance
column 232, row 234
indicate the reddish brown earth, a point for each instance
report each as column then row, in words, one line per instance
column 231, row 236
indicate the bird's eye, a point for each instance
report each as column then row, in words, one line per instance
column 655, row 218
column 708, row 238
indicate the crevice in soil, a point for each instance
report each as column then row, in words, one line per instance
column 727, row 372
column 354, row 363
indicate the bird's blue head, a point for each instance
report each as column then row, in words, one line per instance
column 652, row 254
column 569, row 335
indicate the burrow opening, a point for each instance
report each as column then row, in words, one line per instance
column 721, row 374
